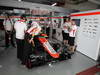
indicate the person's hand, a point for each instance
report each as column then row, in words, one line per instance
column 65, row 27
column 6, row 31
column 30, row 41
column 69, row 29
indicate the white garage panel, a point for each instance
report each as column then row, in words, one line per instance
column 88, row 37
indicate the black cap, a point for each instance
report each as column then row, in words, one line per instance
column 23, row 16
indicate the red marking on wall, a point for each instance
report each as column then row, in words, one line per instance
column 34, row 17
column 86, row 14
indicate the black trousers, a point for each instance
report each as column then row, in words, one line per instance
column 65, row 35
column 48, row 31
column 27, row 51
column 98, row 60
column 54, row 33
column 20, row 48
column 71, row 41
column 9, row 38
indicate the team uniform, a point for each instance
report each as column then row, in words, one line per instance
column 48, row 28
column 8, row 25
column 65, row 32
column 72, row 34
column 33, row 31
column 54, row 27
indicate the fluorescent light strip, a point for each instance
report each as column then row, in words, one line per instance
column 19, row 0
column 54, row 4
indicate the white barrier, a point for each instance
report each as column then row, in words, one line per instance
column 88, row 37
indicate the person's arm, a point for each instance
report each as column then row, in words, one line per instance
column 31, row 41
column 25, row 27
column 64, row 26
column 12, row 23
column 15, row 25
column 36, row 31
column 4, row 24
column 38, row 28
column 70, row 28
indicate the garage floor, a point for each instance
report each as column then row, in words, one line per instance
column 10, row 65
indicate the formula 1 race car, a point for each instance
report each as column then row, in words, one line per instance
column 45, row 51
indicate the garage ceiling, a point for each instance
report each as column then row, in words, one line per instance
column 47, row 2
column 59, row 2
column 95, row 1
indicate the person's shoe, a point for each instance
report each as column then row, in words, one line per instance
column 98, row 66
column 22, row 63
column 69, row 56
column 14, row 46
column 6, row 47
column 70, row 52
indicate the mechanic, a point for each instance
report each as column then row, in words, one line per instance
column 65, row 32
column 72, row 33
column 33, row 31
column 20, row 27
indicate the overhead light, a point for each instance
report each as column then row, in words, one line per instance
column 19, row 0
column 54, row 4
